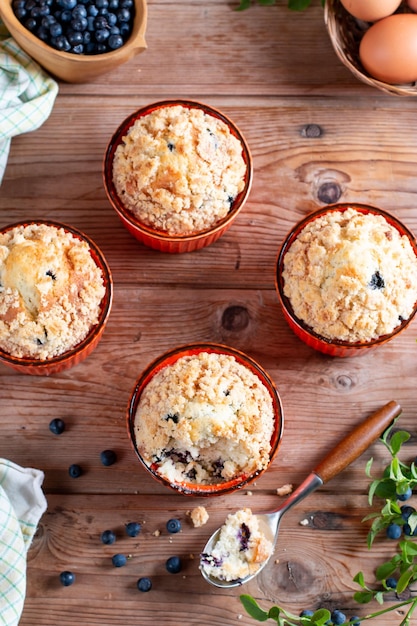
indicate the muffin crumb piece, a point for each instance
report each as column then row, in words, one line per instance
column 199, row 516
column 285, row 490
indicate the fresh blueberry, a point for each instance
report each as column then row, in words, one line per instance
column 338, row 617
column 75, row 471
column 108, row 537
column 115, row 41
column 355, row 620
column 67, row 5
column 144, row 584
column 406, row 511
column 306, row 613
column 173, row 526
column 57, row 426
column 173, row 564
column 55, row 29
column 408, row 532
column 108, row 457
column 391, row 583
column 133, row 529
column 119, row 560
column 394, row 531
column 67, row 578
column 405, row 496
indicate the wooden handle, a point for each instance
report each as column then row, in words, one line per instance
column 360, row 438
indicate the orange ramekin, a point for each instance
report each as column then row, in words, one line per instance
column 327, row 346
column 81, row 351
column 188, row 488
column 158, row 239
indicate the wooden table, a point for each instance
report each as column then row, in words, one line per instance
column 275, row 74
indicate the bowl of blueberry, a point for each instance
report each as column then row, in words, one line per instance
column 77, row 40
column 205, row 419
column 346, row 278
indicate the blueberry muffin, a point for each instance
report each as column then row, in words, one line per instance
column 206, row 419
column 179, row 169
column 240, row 550
column 351, row 276
column 50, row 291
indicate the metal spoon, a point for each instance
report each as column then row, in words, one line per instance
column 345, row 452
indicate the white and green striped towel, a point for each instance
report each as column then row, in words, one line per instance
column 22, row 503
column 27, row 94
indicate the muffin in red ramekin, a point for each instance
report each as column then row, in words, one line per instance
column 177, row 173
column 55, row 296
column 205, row 419
column 346, row 278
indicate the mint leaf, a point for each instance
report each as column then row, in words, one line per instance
column 253, row 608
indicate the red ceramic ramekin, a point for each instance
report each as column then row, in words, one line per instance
column 81, row 351
column 327, row 346
column 169, row 358
column 158, row 239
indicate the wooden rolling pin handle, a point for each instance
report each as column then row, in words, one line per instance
column 358, row 440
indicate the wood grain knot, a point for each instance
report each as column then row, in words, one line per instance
column 235, row 318
column 329, row 193
column 325, row 520
column 311, row 131
column 345, row 382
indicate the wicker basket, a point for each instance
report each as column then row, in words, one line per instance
column 345, row 33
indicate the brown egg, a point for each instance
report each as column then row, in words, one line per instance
column 412, row 4
column 371, row 10
column 388, row 49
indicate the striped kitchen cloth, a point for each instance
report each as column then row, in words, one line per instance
column 27, row 94
column 22, row 503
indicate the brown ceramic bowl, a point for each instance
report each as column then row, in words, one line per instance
column 158, row 239
column 76, row 68
column 169, row 358
column 74, row 356
column 334, row 347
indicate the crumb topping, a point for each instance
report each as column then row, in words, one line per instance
column 206, row 419
column 50, row 291
column 179, row 169
column 351, row 276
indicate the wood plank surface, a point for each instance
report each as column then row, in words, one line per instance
column 317, row 135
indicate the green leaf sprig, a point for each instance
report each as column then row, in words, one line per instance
column 396, row 574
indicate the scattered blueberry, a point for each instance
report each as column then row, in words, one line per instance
column 173, row 526
column 75, row 470
column 57, row 426
column 391, row 583
column 408, row 531
column 144, row 584
column 306, row 613
column 338, row 617
column 119, row 560
column 133, row 529
column 405, row 496
column 173, row 564
column 406, row 511
column 67, row 578
column 355, row 620
column 394, row 531
column 108, row 457
column 108, row 537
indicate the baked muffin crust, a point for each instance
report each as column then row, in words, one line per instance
column 50, row 291
column 351, row 276
column 205, row 419
column 179, row 169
